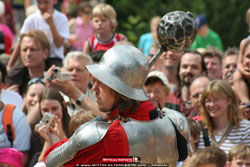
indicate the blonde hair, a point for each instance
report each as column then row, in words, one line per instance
column 107, row 11
column 240, row 151
column 223, row 89
column 39, row 38
column 78, row 119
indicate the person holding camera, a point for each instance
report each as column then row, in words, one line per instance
column 129, row 113
column 52, row 128
column 73, row 81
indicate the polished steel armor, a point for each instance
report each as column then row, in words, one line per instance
column 154, row 141
column 85, row 136
column 123, row 68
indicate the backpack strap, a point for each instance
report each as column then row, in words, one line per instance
column 8, row 122
column 205, row 137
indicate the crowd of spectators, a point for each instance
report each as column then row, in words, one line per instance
column 46, row 74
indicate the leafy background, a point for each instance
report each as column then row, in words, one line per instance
column 226, row 17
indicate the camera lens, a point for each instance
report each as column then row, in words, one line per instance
column 55, row 70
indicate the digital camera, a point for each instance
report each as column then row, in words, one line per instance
column 65, row 76
column 46, row 120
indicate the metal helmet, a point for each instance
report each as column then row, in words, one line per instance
column 176, row 31
column 124, row 69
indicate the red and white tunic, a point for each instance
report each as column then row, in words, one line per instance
column 95, row 44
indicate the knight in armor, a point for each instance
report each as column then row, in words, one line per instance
column 133, row 125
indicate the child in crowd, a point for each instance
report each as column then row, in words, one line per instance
column 239, row 156
column 104, row 22
column 54, row 24
column 241, row 77
column 78, row 119
column 211, row 156
column 79, row 25
column 11, row 157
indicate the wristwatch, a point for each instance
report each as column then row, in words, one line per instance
column 79, row 100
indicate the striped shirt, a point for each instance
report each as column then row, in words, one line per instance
column 235, row 137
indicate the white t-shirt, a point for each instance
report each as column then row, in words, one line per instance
column 11, row 97
column 22, row 132
column 36, row 21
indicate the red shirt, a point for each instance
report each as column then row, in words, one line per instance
column 95, row 44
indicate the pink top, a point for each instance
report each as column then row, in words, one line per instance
column 6, row 30
column 11, row 156
column 83, row 32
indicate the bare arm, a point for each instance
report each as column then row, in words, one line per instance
column 240, row 87
column 73, row 92
column 25, row 158
column 240, row 66
column 14, row 56
column 33, row 115
column 45, row 134
column 86, row 47
column 57, row 38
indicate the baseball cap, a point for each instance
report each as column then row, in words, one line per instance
column 200, row 20
column 11, row 156
column 159, row 75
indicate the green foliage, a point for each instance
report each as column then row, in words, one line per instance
column 226, row 17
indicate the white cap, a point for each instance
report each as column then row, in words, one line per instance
column 2, row 8
column 159, row 75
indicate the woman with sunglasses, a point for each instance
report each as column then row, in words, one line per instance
column 221, row 114
column 31, row 100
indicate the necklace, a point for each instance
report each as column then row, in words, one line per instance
column 223, row 137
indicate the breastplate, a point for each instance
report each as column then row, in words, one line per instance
column 153, row 141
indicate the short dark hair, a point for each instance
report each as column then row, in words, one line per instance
column 203, row 65
column 84, row 5
column 231, row 51
column 213, row 52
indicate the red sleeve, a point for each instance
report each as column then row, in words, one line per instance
column 114, row 143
